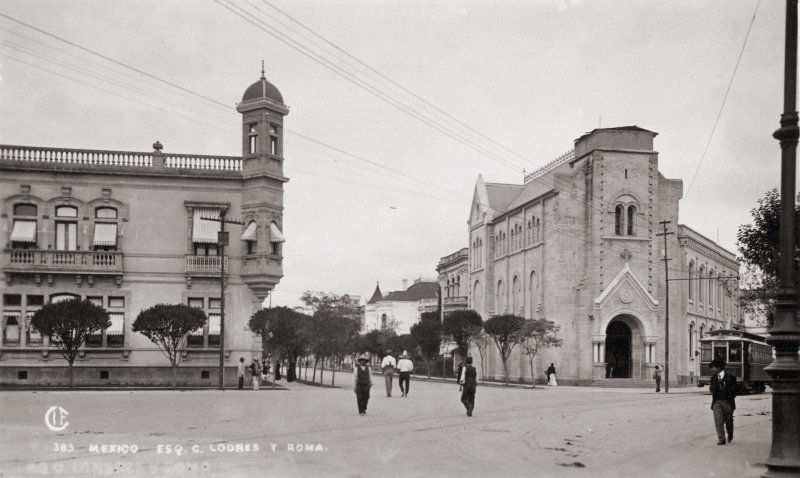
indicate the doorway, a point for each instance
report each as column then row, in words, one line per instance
column 618, row 350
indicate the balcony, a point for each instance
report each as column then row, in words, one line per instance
column 450, row 304
column 62, row 262
column 204, row 266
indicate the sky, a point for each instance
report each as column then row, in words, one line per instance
column 396, row 107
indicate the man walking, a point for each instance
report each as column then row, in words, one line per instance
column 362, row 381
column 723, row 400
column 388, row 365
column 657, row 378
column 469, row 382
column 240, row 373
column 405, row 366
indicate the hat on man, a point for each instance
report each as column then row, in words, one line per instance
column 717, row 363
column 363, row 357
column 469, row 359
column 405, row 354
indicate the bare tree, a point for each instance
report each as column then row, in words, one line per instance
column 539, row 334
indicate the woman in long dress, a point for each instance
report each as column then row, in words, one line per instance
column 551, row 375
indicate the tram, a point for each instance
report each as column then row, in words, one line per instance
column 745, row 353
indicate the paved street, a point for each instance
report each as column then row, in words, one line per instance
column 314, row 431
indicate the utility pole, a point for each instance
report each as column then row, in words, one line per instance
column 784, row 331
column 666, row 305
column 222, row 241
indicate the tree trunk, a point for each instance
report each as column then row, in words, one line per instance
column 505, row 368
column 321, row 371
column 428, row 366
column 71, row 375
column 533, row 380
column 333, row 375
column 174, row 376
column 314, row 375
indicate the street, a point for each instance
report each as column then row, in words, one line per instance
column 300, row 430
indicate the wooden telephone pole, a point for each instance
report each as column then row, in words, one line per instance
column 666, row 305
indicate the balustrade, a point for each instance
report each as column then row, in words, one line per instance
column 32, row 260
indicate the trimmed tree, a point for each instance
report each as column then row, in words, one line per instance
column 428, row 335
column 461, row 326
column 482, row 341
column 67, row 323
column 167, row 326
column 506, row 332
column 539, row 334
column 285, row 331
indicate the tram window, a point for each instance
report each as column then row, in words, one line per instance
column 735, row 352
column 721, row 352
column 705, row 352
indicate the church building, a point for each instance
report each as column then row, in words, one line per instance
column 580, row 243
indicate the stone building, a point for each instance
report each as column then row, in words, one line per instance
column 126, row 231
column 577, row 243
column 454, row 280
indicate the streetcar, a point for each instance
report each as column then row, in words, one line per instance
column 745, row 353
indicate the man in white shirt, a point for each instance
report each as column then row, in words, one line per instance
column 405, row 366
column 388, row 365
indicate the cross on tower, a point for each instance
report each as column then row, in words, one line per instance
column 626, row 255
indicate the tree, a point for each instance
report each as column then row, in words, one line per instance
column 506, row 332
column 67, row 323
column 168, row 326
column 461, row 326
column 285, row 331
column 539, row 334
column 400, row 343
column 428, row 335
column 482, row 341
column 759, row 250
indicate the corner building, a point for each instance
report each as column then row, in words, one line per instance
column 577, row 244
column 125, row 230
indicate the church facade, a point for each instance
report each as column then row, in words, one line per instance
column 580, row 243
column 125, row 230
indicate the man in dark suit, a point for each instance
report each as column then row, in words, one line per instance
column 723, row 400
column 468, row 381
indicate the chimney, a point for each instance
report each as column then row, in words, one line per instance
column 405, row 284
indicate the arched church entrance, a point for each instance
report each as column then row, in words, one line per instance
column 623, row 348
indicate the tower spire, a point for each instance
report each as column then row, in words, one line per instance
column 262, row 70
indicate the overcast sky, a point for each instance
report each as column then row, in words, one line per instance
column 398, row 106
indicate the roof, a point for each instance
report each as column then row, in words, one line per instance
column 501, row 195
column 419, row 290
column 262, row 89
column 376, row 296
column 618, row 128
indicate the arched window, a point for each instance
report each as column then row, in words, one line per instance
column 477, row 296
column 29, row 210
column 631, row 219
column 711, row 290
column 533, row 287
column 538, row 230
column 66, row 228
column 500, row 297
column 383, row 322
column 618, row 218
column 515, row 294
column 701, row 286
column 691, row 341
column 529, row 236
column 691, row 280
column 11, row 329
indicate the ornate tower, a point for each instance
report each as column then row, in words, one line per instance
column 262, row 110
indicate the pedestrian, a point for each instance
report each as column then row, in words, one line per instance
column 388, row 364
column 362, row 382
column 468, row 381
column 723, row 400
column 278, row 370
column 240, row 373
column 255, row 372
column 458, row 373
column 551, row 375
column 405, row 366
column 657, row 378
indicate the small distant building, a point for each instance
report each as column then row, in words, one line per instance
column 454, row 281
column 401, row 309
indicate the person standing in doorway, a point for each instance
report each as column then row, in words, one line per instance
column 551, row 375
column 240, row 373
column 468, row 382
column 657, row 378
column 723, row 400
column 388, row 364
column 405, row 366
column 362, row 382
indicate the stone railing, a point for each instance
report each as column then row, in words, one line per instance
column 205, row 265
column 461, row 254
column 455, row 301
column 564, row 158
column 85, row 262
column 90, row 157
